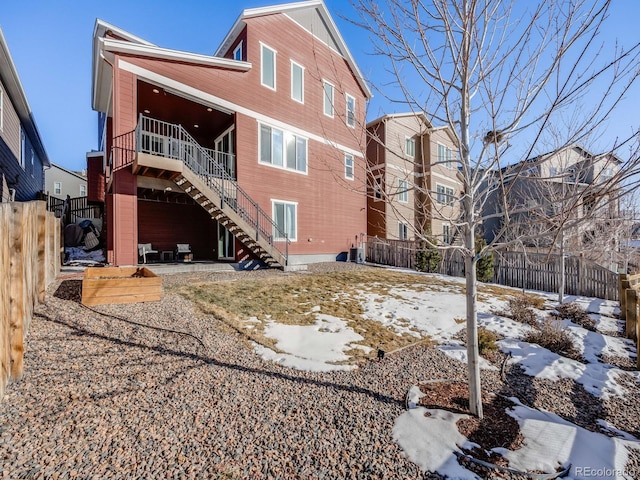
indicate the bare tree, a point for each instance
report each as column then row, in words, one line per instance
column 503, row 75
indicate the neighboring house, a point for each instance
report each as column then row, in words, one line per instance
column 252, row 153
column 22, row 155
column 534, row 191
column 60, row 182
column 413, row 183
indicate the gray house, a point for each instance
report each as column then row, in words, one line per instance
column 22, row 154
column 60, row 182
column 528, row 199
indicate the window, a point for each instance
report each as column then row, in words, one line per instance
column 23, row 148
column 328, row 99
column 351, row 110
column 403, row 191
column 237, row 53
column 445, row 195
column 297, row 82
column 377, row 188
column 268, row 67
column 57, row 188
column 348, row 166
column 83, row 190
column 410, row 147
column 445, row 156
column 446, row 236
column 283, row 149
column 33, row 167
column 403, row 231
column 607, row 174
column 285, row 219
column 553, row 171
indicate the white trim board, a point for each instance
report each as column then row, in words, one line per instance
column 226, row 105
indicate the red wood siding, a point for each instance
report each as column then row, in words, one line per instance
column 125, row 219
column 95, row 179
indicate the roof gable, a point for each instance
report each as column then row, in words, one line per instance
column 313, row 17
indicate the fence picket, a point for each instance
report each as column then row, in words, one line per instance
column 534, row 271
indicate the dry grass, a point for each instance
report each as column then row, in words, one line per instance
column 291, row 300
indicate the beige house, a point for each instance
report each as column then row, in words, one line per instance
column 412, row 176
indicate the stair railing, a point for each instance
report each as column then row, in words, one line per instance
column 173, row 141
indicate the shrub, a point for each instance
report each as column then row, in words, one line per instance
column 574, row 312
column 554, row 337
column 427, row 258
column 486, row 341
column 484, row 265
column 521, row 310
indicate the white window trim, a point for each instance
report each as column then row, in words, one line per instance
column 413, row 141
column 273, row 216
column 446, row 240
column 347, row 157
column 275, row 62
column 331, row 101
column 23, row 149
column 55, row 188
column 405, row 231
column 446, row 164
column 346, row 108
column 451, row 196
column 377, row 188
column 402, row 192
column 284, row 159
column 83, row 188
column 293, row 62
column 239, row 47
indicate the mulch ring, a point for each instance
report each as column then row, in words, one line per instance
column 496, row 429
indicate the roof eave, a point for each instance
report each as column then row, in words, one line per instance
column 15, row 90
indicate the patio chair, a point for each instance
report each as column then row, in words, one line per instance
column 144, row 249
column 184, row 249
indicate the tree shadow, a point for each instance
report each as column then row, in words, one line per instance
column 209, row 360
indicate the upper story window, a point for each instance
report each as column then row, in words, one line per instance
column 348, row 167
column 403, row 191
column 283, row 149
column 268, row 67
column 237, row 52
column 328, row 98
column 446, row 234
column 351, row 110
column 33, row 166
column 83, row 190
column 377, row 188
column 445, row 195
column 445, row 156
column 410, row 147
column 297, row 82
column 57, row 188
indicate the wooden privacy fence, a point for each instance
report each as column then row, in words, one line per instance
column 630, row 308
column 29, row 262
column 533, row 271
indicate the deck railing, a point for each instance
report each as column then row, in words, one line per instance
column 215, row 169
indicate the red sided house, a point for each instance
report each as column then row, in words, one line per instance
column 253, row 153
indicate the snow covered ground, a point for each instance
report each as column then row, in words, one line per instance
column 430, row 441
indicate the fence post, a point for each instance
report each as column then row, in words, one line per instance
column 632, row 312
column 623, row 282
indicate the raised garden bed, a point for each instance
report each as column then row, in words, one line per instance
column 102, row 286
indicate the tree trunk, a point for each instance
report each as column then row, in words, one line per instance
column 475, row 390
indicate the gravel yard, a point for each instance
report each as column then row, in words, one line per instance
column 105, row 397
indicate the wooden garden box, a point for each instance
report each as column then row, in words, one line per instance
column 101, row 286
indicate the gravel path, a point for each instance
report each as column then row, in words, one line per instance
column 105, row 398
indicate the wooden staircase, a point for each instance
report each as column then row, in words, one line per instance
column 168, row 151
column 222, row 210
